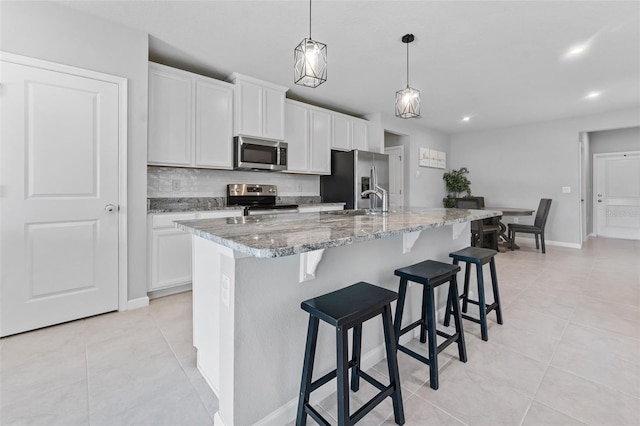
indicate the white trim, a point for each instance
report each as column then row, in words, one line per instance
column 141, row 302
column 169, row 291
column 563, row 244
column 594, row 182
column 121, row 82
column 399, row 148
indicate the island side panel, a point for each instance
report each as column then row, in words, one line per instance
column 263, row 331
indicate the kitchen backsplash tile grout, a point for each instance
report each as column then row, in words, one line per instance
column 170, row 182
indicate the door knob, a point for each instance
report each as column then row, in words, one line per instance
column 110, row 208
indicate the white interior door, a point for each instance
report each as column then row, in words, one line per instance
column 617, row 195
column 59, row 197
column 396, row 176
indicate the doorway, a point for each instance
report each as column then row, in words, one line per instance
column 63, row 207
column 616, row 204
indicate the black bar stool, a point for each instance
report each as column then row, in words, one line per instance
column 344, row 309
column 478, row 256
column 430, row 274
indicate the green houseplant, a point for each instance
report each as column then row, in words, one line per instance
column 456, row 183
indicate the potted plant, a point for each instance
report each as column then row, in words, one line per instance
column 456, row 183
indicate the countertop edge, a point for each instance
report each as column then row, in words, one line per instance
column 303, row 248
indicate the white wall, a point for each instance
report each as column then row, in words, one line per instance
column 617, row 140
column 424, row 185
column 50, row 31
column 516, row 166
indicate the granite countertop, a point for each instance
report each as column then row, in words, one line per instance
column 195, row 204
column 285, row 235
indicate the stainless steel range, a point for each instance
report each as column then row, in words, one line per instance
column 257, row 199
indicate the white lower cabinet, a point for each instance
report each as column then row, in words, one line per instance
column 169, row 256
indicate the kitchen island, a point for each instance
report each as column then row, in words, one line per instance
column 251, row 273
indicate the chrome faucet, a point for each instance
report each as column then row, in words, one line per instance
column 381, row 193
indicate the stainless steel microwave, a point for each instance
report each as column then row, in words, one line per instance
column 259, row 154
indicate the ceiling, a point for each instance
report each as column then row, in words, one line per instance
column 502, row 63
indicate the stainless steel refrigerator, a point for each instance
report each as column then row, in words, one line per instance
column 351, row 174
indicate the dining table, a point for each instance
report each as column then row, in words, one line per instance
column 509, row 211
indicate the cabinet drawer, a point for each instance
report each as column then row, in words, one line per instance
column 166, row 220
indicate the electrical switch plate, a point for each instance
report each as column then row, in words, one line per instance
column 516, row 220
column 566, row 190
column 176, row 185
column 224, row 290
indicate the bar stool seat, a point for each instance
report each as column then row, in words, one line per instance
column 479, row 257
column 430, row 274
column 344, row 309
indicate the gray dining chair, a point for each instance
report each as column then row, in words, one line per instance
column 483, row 234
column 537, row 229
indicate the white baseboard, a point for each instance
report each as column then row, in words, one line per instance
column 169, row 291
column 288, row 411
column 141, row 302
column 563, row 244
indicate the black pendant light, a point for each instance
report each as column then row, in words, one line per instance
column 408, row 99
column 310, row 61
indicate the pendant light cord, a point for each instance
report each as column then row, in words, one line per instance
column 407, row 64
column 309, row 19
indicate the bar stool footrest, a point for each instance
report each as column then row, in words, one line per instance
column 373, row 403
column 414, row 354
column 315, row 415
column 372, row 381
column 451, row 338
column 409, row 328
column 327, row 377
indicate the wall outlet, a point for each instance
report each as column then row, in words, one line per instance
column 225, row 284
column 566, row 190
column 516, row 220
column 176, row 185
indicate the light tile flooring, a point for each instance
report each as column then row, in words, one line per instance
column 568, row 354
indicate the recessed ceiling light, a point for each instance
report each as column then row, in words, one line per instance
column 466, row 118
column 592, row 95
column 576, row 50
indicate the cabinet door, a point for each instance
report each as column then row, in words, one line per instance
column 341, row 133
column 320, row 142
column 170, row 112
column 273, row 114
column 213, row 125
column 359, row 132
column 171, row 258
column 248, row 109
column 297, row 137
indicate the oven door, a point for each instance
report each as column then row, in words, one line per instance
column 252, row 154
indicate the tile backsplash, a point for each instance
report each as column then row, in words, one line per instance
column 186, row 182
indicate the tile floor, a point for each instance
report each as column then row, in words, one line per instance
column 568, row 354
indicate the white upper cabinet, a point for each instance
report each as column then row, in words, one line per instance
column 259, row 108
column 308, row 135
column 213, row 125
column 349, row 133
column 360, row 134
column 190, row 119
column 341, row 133
column 320, row 143
column 297, row 137
column 170, row 112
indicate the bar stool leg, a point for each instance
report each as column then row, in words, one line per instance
column 449, row 307
column 423, row 323
column 482, row 306
column 496, row 293
column 465, row 292
column 357, row 350
column 392, row 364
column 307, row 370
column 397, row 322
column 342, row 371
column 433, row 344
column 457, row 319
